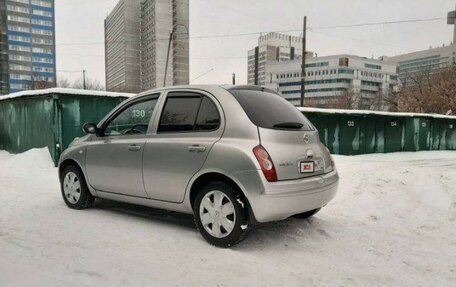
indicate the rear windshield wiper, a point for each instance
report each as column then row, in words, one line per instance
column 289, row 125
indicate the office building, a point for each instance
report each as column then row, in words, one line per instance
column 430, row 59
column 137, row 37
column 421, row 61
column 27, row 45
column 271, row 47
column 331, row 76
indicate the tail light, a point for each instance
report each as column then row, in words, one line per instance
column 265, row 161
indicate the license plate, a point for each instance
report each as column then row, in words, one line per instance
column 306, row 167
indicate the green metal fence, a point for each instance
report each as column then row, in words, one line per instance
column 54, row 117
column 50, row 118
column 351, row 132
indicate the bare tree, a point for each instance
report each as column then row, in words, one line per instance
column 390, row 100
column 347, row 100
column 63, row 83
column 40, row 83
column 445, row 83
column 90, row 84
column 428, row 91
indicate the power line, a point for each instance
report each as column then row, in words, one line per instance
column 202, row 75
column 358, row 39
column 265, row 32
column 67, row 71
column 192, row 59
column 378, row 23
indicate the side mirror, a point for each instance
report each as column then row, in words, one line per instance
column 90, row 128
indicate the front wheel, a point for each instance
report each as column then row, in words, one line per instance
column 75, row 192
column 220, row 215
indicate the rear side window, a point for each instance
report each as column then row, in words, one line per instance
column 208, row 116
column 270, row 111
column 188, row 113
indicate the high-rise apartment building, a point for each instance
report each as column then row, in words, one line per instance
column 271, row 47
column 158, row 19
column 137, row 38
column 122, row 47
column 27, row 45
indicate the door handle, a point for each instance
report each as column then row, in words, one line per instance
column 196, row 148
column 134, row 147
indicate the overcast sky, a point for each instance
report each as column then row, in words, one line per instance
column 80, row 31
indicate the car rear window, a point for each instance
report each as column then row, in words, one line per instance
column 270, row 111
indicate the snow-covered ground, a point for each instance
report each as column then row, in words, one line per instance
column 393, row 223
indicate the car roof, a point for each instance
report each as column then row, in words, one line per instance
column 249, row 88
column 210, row 88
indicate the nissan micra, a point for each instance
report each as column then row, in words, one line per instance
column 231, row 156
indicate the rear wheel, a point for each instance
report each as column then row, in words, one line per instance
column 307, row 214
column 75, row 192
column 220, row 214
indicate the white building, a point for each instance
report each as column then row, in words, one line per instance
column 432, row 59
column 330, row 76
column 271, row 47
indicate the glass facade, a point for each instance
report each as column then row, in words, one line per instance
column 30, row 34
column 339, row 89
column 313, row 65
column 372, row 66
column 414, row 65
column 316, row 82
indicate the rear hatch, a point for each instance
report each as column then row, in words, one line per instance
column 290, row 139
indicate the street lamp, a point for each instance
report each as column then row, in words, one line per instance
column 171, row 35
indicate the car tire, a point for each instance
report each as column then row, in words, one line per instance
column 74, row 188
column 307, row 214
column 221, row 214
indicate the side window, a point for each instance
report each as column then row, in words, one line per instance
column 189, row 113
column 208, row 116
column 133, row 120
column 179, row 114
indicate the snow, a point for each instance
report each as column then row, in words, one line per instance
column 391, row 224
column 369, row 112
column 62, row 91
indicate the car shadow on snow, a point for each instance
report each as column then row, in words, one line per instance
column 284, row 233
column 147, row 213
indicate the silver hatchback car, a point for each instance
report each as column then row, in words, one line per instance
column 231, row 156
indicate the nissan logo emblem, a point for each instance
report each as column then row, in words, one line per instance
column 306, row 138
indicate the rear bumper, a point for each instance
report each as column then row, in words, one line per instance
column 280, row 200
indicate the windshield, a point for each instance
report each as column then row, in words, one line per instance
column 270, row 111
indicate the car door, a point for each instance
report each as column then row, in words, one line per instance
column 189, row 125
column 114, row 158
